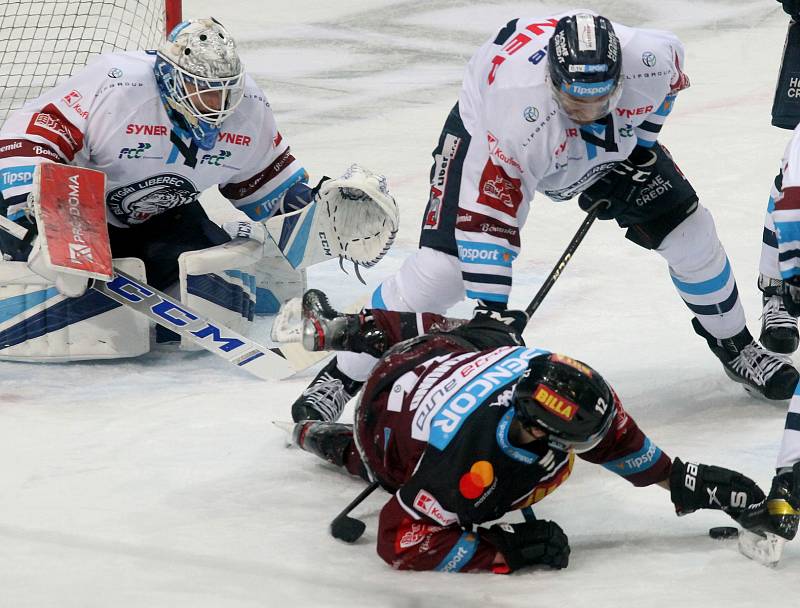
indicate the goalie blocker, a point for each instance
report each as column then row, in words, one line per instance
column 49, row 317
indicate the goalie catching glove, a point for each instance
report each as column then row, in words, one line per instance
column 362, row 215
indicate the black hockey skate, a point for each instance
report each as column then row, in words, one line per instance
column 779, row 513
column 778, row 328
column 746, row 362
column 326, row 396
column 328, row 440
column 324, row 328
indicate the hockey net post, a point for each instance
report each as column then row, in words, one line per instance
column 44, row 42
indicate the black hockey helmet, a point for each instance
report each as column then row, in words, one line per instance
column 566, row 398
column 584, row 61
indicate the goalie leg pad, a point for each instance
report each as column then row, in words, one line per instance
column 276, row 281
column 219, row 283
column 37, row 324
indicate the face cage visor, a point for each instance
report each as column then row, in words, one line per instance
column 206, row 99
column 584, row 103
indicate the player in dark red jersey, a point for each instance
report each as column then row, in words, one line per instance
column 464, row 424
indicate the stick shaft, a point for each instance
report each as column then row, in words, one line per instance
column 562, row 261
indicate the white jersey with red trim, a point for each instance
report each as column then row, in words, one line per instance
column 521, row 143
column 110, row 117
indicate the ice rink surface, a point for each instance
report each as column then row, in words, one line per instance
column 161, row 482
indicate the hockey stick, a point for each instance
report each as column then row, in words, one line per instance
column 565, row 257
column 265, row 363
column 350, row 529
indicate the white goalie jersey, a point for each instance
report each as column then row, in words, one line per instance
column 111, row 117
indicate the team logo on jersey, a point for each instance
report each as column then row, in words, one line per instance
column 479, row 477
column 424, row 502
column 139, row 201
column 531, row 114
column 53, row 126
column 115, row 73
column 441, row 168
column 649, row 59
column 411, row 534
column 499, row 191
column 217, row 160
column 157, row 130
column 137, row 152
column 236, row 139
column 496, row 151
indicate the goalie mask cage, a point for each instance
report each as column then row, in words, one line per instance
column 44, row 42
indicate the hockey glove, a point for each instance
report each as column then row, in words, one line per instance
column 514, row 320
column 791, row 296
column 791, row 7
column 531, row 542
column 362, row 215
column 618, row 189
column 490, row 328
column 700, row 486
column 246, row 230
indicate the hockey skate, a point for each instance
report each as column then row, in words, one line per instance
column 324, row 328
column 770, row 523
column 747, row 363
column 778, row 328
column 326, row 396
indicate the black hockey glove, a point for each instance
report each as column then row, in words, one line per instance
column 791, row 7
column 531, row 542
column 514, row 320
column 779, row 512
column 491, row 328
column 700, row 486
column 618, row 189
column 791, row 296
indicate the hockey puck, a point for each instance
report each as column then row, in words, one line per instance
column 723, row 532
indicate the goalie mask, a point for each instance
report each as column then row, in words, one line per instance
column 200, row 78
column 584, row 62
column 566, row 398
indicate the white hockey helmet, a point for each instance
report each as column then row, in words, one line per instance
column 200, row 76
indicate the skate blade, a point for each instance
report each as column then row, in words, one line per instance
column 288, row 323
column 288, row 428
column 766, row 550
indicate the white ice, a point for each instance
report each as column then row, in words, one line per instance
column 161, row 482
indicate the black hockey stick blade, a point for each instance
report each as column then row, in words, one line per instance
column 346, row 528
column 349, row 529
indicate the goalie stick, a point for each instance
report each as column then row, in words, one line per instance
column 265, row 363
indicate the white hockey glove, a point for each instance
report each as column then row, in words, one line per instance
column 246, row 230
column 69, row 285
column 363, row 215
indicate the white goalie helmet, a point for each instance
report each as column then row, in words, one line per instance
column 200, row 77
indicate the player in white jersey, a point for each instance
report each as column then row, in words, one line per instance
column 163, row 126
column 564, row 105
column 779, row 328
